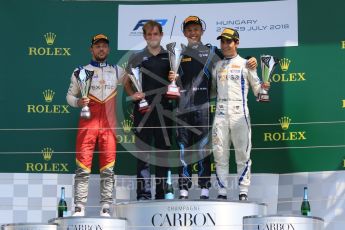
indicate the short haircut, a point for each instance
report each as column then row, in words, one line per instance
column 149, row 25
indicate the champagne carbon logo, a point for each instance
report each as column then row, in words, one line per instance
column 49, row 39
column 276, row 226
column 184, row 216
column 48, row 96
column 285, row 135
column 47, row 166
column 286, row 75
column 86, row 226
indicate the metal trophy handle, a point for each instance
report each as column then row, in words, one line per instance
column 175, row 56
column 84, row 78
column 268, row 64
column 136, row 79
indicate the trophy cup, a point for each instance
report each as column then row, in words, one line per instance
column 175, row 56
column 136, row 79
column 84, row 78
column 268, row 64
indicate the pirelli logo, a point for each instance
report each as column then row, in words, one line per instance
column 342, row 44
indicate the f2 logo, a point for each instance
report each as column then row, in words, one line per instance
column 142, row 22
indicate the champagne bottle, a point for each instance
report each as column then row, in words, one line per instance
column 305, row 207
column 62, row 207
column 169, row 190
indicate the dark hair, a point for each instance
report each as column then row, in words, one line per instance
column 149, row 25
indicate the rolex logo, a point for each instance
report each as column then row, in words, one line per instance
column 127, row 125
column 49, row 50
column 291, row 135
column 285, row 122
column 48, row 95
column 46, row 166
column 284, row 64
column 50, row 38
column 47, row 153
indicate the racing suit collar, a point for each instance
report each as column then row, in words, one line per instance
column 195, row 45
column 98, row 64
column 229, row 58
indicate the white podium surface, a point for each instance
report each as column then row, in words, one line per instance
column 187, row 214
column 284, row 222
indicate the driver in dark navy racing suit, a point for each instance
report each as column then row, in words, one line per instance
column 194, row 80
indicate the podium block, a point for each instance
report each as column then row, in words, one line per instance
column 293, row 222
column 191, row 214
column 89, row 223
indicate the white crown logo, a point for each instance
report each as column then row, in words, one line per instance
column 48, row 95
column 47, row 153
column 50, row 38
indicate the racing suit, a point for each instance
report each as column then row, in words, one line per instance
column 152, row 142
column 232, row 122
column 193, row 110
column 99, row 128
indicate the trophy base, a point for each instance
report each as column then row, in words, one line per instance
column 145, row 109
column 143, row 106
column 263, row 98
column 173, row 92
column 85, row 113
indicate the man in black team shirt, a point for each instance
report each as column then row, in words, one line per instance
column 154, row 65
column 195, row 84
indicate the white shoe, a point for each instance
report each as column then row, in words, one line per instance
column 79, row 211
column 105, row 210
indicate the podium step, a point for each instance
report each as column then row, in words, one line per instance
column 89, row 223
column 29, row 226
column 191, row 214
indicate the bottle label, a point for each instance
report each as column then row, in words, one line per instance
column 169, row 196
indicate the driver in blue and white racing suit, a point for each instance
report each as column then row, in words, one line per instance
column 232, row 79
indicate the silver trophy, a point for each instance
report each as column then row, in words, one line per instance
column 175, row 56
column 84, row 78
column 268, row 64
column 136, row 79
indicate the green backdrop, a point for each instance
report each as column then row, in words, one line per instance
column 310, row 91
